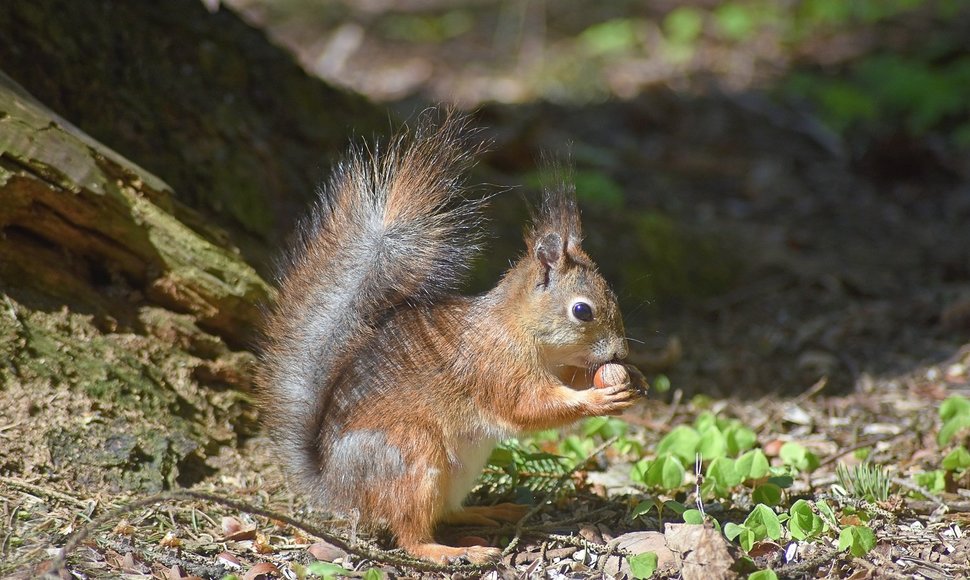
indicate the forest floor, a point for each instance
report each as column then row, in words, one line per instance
column 843, row 327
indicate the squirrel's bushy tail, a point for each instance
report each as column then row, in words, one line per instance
column 392, row 229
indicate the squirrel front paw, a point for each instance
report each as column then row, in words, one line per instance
column 611, row 400
column 637, row 380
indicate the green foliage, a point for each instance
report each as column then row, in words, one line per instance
column 681, row 441
column 957, row 460
column 933, row 481
column 762, row 523
column 716, row 440
column 693, row 517
column 642, row 508
column 328, row 571
column 798, row 457
column 428, row 28
column 663, row 473
column 721, row 477
column 610, row 38
column 866, row 481
column 955, row 414
column 643, row 565
column 660, row 384
column 736, row 21
column 857, row 539
column 753, row 465
column 889, row 89
column 598, row 189
column 576, row 448
column 710, row 436
column 603, row 428
column 767, row 493
column 803, row 524
column 677, row 261
column 763, row 575
column 712, row 443
column 683, row 25
column 518, row 467
column 828, row 515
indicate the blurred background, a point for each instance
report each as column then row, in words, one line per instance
column 779, row 189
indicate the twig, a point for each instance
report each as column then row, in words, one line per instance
column 920, row 490
column 37, row 490
column 811, row 391
column 520, row 526
column 868, row 443
column 357, row 547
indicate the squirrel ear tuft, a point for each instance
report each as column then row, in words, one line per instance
column 549, row 250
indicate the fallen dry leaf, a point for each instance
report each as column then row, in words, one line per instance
column 170, row 541
column 230, row 525
column 229, row 560
column 124, row 528
column 261, row 544
column 325, row 551
column 638, row 543
column 764, row 548
column 263, row 569
column 705, row 553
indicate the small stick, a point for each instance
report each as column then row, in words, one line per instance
column 39, row 491
column 356, row 547
column 920, row 490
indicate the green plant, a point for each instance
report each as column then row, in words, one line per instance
column 762, row 523
column 866, row 481
column 753, row 465
column 721, row 477
column 798, row 457
column 956, row 460
column 610, row 38
column 933, row 481
column 858, row 540
column 328, row 571
column 665, row 473
column 763, row 575
column 643, row 565
column 955, row 414
column 767, row 493
column 518, row 468
column 803, row 523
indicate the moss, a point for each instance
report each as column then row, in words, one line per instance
column 670, row 262
column 116, row 410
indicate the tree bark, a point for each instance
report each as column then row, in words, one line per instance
column 127, row 307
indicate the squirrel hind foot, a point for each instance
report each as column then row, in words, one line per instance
column 442, row 554
column 487, row 515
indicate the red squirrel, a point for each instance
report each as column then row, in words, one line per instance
column 384, row 390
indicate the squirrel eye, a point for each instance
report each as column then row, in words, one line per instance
column 582, row 311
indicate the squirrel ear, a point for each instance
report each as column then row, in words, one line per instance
column 549, row 250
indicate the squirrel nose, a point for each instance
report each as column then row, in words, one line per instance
column 620, row 350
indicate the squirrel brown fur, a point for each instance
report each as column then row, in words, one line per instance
column 383, row 389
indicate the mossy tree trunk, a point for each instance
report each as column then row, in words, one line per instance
column 128, row 307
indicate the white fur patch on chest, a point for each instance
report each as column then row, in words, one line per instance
column 467, row 458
